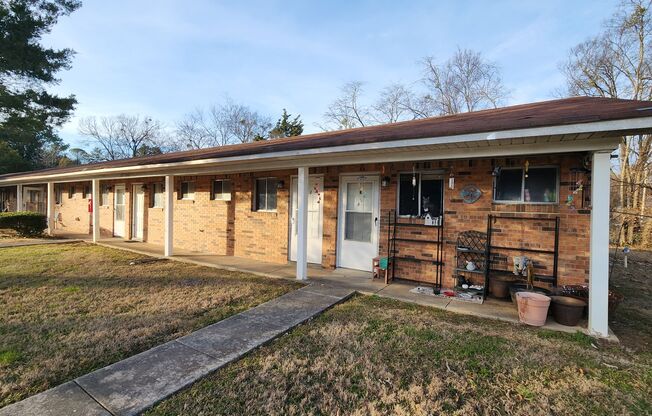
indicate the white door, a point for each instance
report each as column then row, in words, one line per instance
column 359, row 221
column 315, row 216
column 119, row 211
column 138, row 213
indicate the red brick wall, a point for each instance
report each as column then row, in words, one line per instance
column 233, row 228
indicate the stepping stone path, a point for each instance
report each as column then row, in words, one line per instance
column 135, row 384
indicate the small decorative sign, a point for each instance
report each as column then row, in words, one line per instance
column 470, row 194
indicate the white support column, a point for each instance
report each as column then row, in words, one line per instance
column 50, row 207
column 599, row 266
column 303, row 183
column 96, row 209
column 169, row 215
column 19, row 198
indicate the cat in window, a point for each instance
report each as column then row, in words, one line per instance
column 427, row 206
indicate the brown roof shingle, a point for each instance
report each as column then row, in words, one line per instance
column 541, row 114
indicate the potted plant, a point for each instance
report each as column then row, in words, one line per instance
column 532, row 307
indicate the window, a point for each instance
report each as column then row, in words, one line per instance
column 421, row 197
column 221, row 190
column 188, row 190
column 71, row 191
column 158, row 195
column 58, row 194
column 87, row 192
column 104, row 197
column 539, row 186
column 265, row 194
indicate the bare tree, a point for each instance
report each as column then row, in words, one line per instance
column 465, row 82
column 394, row 104
column 222, row 124
column 347, row 111
column 123, row 136
column 617, row 64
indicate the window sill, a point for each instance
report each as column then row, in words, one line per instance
column 523, row 203
column 265, row 210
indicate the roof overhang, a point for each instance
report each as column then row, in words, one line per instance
column 581, row 137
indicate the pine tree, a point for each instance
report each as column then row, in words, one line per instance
column 29, row 114
column 286, row 127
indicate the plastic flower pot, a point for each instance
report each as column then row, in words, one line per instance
column 532, row 308
column 499, row 286
column 567, row 310
column 514, row 288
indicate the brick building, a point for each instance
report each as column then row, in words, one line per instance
column 534, row 177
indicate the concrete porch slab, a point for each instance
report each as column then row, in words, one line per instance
column 66, row 399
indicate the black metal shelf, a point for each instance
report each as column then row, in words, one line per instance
column 554, row 252
column 416, row 240
column 392, row 251
column 460, row 269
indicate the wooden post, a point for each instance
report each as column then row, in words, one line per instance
column 95, row 206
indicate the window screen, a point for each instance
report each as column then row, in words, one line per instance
column 509, row 185
column 431, row 195
column 408, row 196
column 158, row 195
column 187, row 190
column 221, row 190
column 104, row 198
column 265, row 194
column 541, row 185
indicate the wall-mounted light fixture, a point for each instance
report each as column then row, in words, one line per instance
column 385, row 181
column 280, row 184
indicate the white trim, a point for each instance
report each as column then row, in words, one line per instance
column 599, row 253
column 303, row 184
column 95, row 206
column 49, row 200
column 487, row 140
column 19, row 198
column 168, row 211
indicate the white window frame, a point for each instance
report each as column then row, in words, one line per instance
column 190, row 193
column 224, row 195
column 522, row 199
column 160, row 191
column 420, row 174
column 255, row 196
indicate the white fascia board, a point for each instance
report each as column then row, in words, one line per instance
column 487, row 139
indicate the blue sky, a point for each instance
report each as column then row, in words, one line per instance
column 165, row 58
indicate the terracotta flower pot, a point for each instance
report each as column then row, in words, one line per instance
column 532, row 308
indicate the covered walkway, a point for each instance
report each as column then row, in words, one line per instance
column 346, row 279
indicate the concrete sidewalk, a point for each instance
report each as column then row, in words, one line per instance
column 135, row 384
column 35, row 242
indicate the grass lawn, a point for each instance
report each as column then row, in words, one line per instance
column 68, row 309
column 377, row 356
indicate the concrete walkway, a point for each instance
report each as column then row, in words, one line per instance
column 34, row 242
column 135, row 384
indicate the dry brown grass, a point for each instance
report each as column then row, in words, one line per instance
column 68, row 309
column 373, row 356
